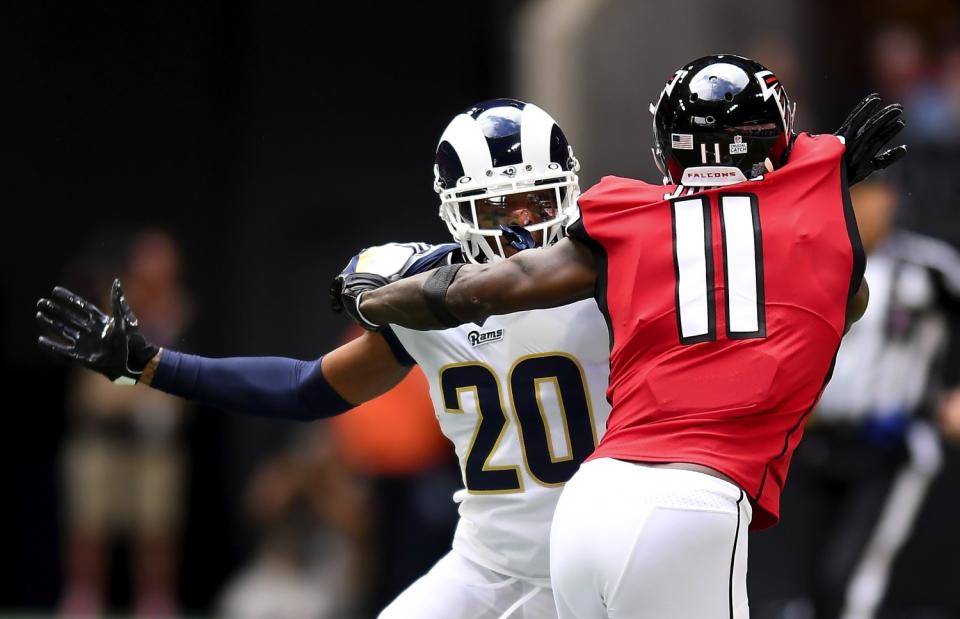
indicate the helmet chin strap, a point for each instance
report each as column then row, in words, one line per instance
column 518, row 237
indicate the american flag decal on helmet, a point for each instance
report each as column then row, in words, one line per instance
column 681, row 141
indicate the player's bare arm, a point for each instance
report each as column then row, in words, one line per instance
column 857, row 304
column 550, row 277
column 363, row 369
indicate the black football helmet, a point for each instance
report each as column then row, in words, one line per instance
column 720, row 120
column 491, row 155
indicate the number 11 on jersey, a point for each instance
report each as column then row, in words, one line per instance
column 693, row 261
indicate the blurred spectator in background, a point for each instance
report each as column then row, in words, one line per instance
column 314, row 555
column 925, row 75
column 871, row 449
column 123, row 467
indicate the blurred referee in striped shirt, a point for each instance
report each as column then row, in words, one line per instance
column 872, row 447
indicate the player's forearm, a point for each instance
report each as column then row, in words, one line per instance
column 534, row 279
column 476, row 292
column 272, row 387
column 404, row 303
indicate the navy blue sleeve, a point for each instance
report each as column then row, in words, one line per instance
column 273, row 387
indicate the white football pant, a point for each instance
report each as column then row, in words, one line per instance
column 457, row 588
column 638, row 542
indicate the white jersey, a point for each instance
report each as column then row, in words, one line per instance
column 523, row 399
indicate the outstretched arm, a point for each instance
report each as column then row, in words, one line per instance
column 273, row 387
column 533, row 279
column 279, row 387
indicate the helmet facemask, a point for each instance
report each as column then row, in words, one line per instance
column 540, row 201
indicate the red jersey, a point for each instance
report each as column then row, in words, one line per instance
column 726, row 308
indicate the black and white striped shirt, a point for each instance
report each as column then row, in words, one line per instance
column 897, row 355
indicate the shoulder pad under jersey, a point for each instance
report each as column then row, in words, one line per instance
column 398, row 260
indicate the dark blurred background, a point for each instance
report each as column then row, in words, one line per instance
column 273, row 141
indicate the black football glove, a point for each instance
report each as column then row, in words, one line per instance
column 110, row 345
column 866, row 130
column 345, row 294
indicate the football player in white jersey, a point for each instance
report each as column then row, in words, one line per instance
column 521, row 396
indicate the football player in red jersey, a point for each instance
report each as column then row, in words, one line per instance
column 727, row 292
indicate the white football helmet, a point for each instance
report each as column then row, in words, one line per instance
column 499, row 158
